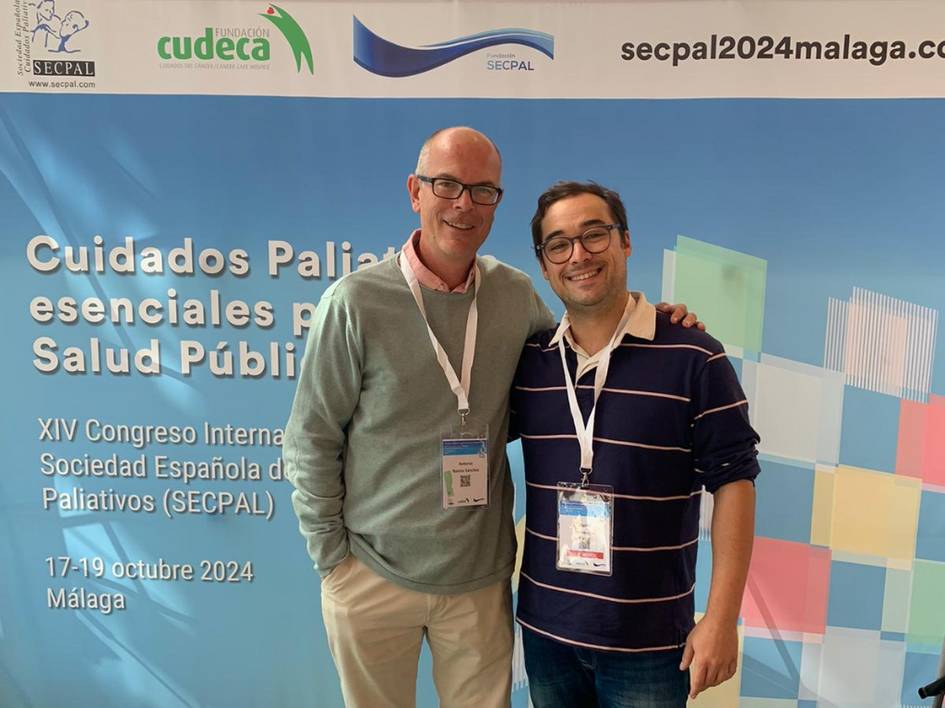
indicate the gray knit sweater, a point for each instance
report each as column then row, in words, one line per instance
column 362, row 445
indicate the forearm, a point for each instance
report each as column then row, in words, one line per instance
column 733, row 525
column 312, row 461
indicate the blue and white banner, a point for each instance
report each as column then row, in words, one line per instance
column 830, row 49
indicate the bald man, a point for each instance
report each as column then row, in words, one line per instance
column 396, row 444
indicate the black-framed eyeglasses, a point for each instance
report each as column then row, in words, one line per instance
column 558, row 249
column 484, row 194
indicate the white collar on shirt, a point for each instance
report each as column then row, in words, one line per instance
column 641, row 324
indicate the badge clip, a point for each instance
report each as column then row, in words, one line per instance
column 585, row 474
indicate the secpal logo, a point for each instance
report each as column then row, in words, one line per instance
column 239, row 44
column 55, row 35
column 53, row 32
column 383, row 57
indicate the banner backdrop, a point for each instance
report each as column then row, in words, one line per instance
column 181, row 182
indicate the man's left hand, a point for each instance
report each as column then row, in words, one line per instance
column 711, row 654
column 681, row 313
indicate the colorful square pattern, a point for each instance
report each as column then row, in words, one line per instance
column 919, row 670
column 927, row 607
column 896, row 597
column 930, row 539
column 845, row 599
column 725, row 287
column 870, row 433
column 780, row 487
column 772, row 668
column 787, row 587
column 881, row 343
column 856, row 596
column 858, row 668
column 921, row 449
column 796, row 408
column 866, row 513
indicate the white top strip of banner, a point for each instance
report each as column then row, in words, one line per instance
column 670, row 49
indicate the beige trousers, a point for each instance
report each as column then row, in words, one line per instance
column 375, row 629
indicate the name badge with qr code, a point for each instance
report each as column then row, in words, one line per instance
column 465, row 472
column 585, row 528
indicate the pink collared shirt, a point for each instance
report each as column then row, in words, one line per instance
column 427, row 277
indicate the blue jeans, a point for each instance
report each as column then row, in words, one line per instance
column 565, row 676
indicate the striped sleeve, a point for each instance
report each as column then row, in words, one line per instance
column 723, row 439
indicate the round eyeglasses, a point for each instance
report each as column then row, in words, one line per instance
column 484, row 194
column 558, row 249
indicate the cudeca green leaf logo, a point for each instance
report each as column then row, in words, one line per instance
column 293, row 34
column 239, row 44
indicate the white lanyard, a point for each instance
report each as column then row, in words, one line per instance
column 585, row 433
column 460, row 387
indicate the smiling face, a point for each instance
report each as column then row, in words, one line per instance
column 452, row 230
column 586, row 282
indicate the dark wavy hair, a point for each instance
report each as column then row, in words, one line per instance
column 563, row 190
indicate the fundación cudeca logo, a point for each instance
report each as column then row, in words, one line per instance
column 383, row 57
column 236, row 47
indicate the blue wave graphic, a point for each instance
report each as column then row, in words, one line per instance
column 379, row 56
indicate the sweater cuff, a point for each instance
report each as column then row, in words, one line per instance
column 745, row 466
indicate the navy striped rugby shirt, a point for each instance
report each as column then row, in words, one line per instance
column 671, row 419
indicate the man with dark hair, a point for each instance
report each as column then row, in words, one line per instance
column 624, row 420
column 562, row 190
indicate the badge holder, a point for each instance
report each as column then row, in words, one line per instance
column 585, row 528
column 464, row 455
